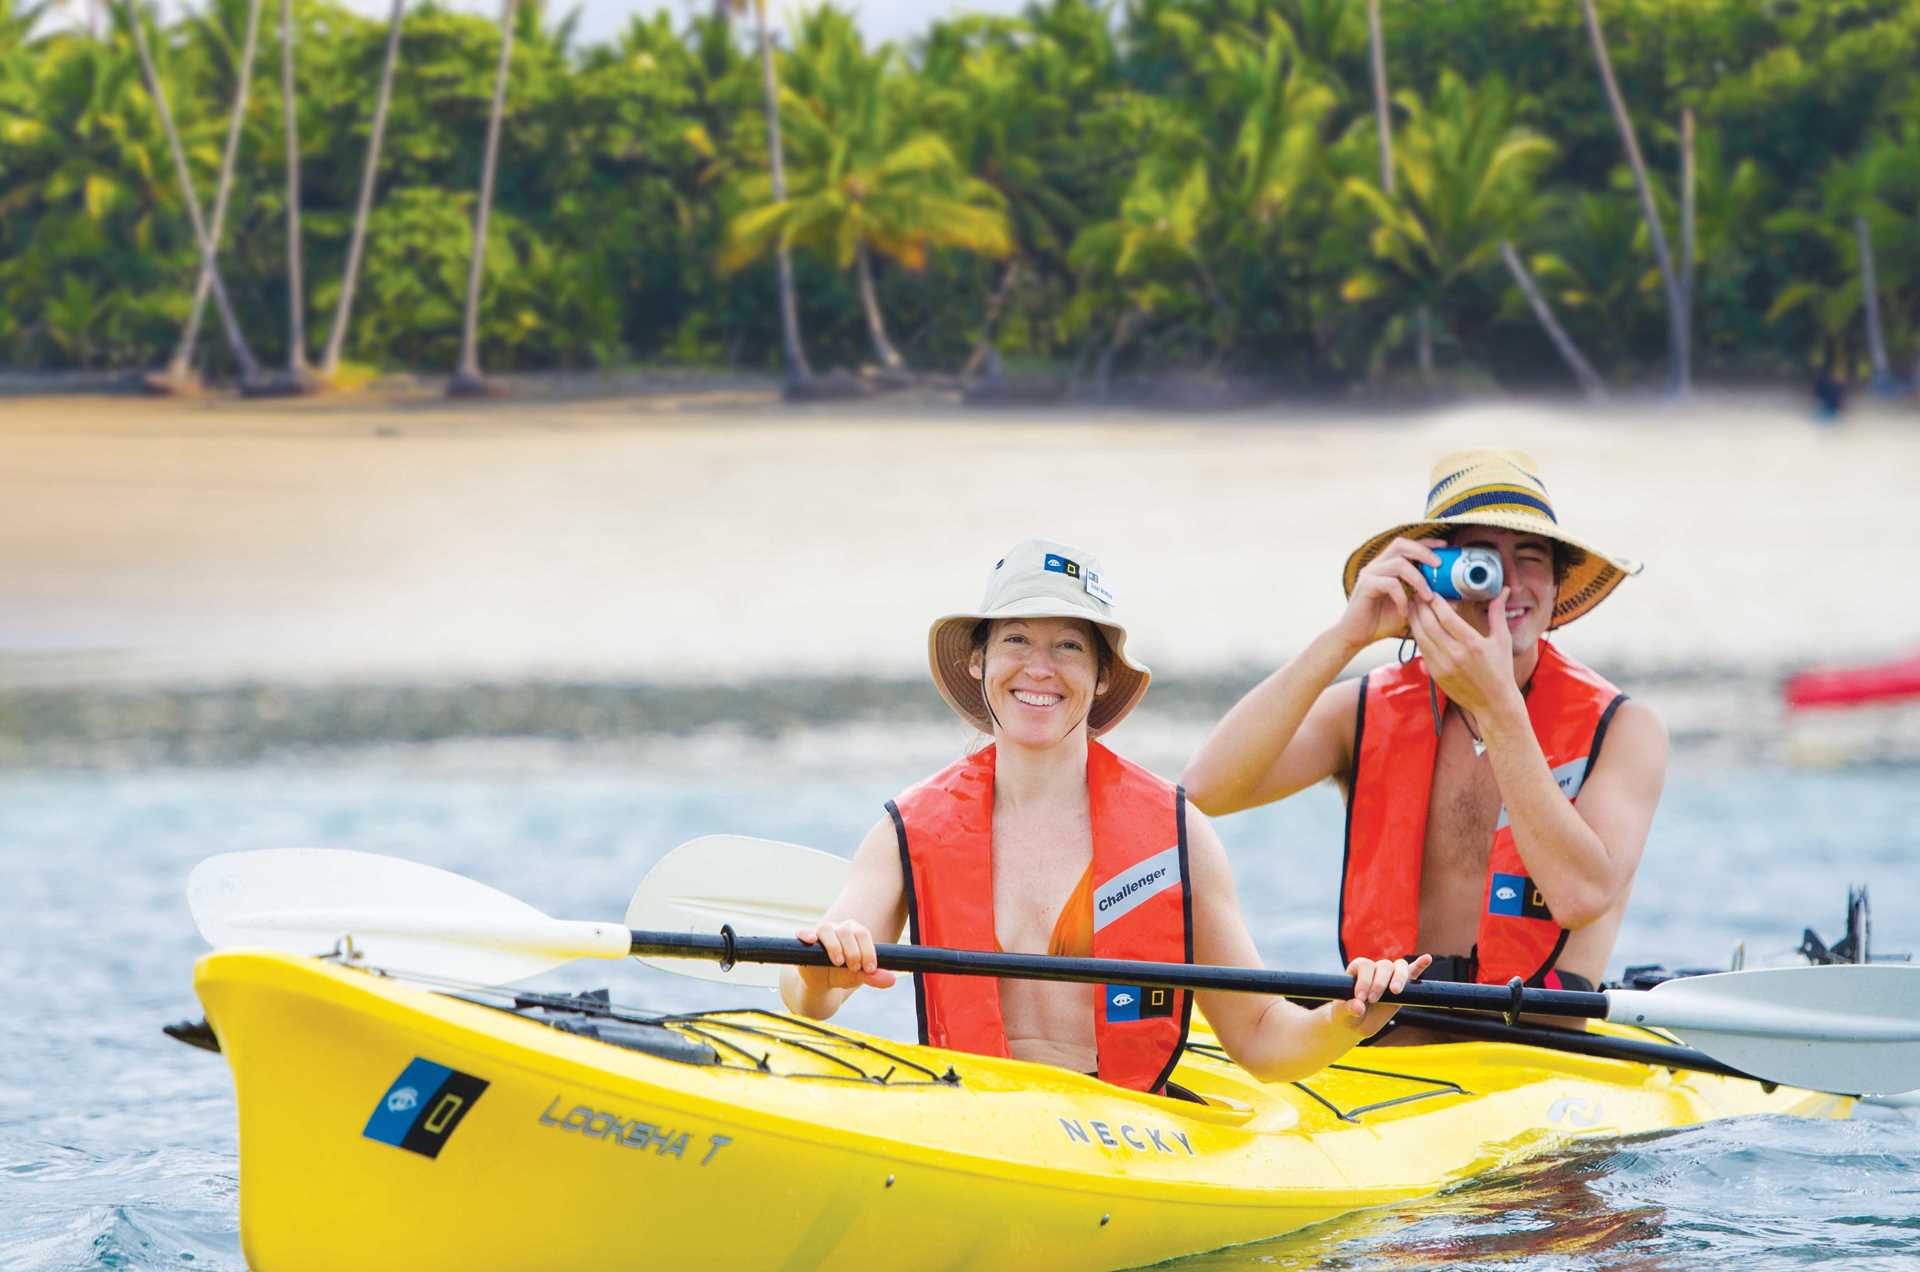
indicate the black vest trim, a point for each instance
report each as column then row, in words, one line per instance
column 913, row 914
column 1346, row 843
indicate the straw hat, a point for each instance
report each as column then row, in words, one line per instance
column 1499, row 488
column 1037, row 579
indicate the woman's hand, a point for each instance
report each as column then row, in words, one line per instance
column 850, row 945
column 1371, row 979
column 1385, row 590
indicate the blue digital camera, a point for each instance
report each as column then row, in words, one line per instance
column 1465, row 574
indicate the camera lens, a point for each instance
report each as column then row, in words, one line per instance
column 1478, row 577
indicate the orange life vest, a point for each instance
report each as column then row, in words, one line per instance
column 1142, row 908
column 1395, row 744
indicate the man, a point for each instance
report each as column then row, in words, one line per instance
column 1498, row 792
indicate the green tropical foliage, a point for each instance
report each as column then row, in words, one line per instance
column 1109, row 187
column 865, row 175
column 1465, row 178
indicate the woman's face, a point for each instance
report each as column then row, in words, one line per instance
column 1040, row 676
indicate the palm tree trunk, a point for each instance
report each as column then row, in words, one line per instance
column 236, row 341
column 1677, row 335
column 1383, row 121
column 876, row 321
column 1123, row 333
column 467, row 379
column 297, row 371
column 795, row 353
column 1870, row 294
column 343, row 312
column 179, row 367
column 1383, row 129
column 996, row 303
column 1687, row 210
column 1583, row 371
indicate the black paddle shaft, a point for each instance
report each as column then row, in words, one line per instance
column 1508, row 1000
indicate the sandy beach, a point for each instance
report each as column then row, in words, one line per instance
column 723, row 536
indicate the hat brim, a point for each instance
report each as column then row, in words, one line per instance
column 1588, row 581
column 950, row 654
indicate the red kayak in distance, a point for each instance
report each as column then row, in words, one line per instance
column 1855, row 686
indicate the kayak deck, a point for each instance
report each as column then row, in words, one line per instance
column 383, row 1123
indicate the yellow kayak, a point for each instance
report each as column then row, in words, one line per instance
column 385, row 1124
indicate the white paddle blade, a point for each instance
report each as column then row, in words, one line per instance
column 398, row 915
column 760, row 886
column 1849, row 1027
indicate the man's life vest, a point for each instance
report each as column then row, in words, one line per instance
column 1142, row 908
column 1395, row 743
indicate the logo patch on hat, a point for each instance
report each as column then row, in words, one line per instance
column 1063, row 565
column 1096, row 589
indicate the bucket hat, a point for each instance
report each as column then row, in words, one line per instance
column 1037, row 578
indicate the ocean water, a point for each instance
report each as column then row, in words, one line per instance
column 117, row 1144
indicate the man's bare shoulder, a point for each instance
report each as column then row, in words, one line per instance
column 1638, row 724
column 1635, row 744
column 1341, row 696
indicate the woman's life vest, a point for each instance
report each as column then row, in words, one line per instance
column 1395, row 742
column 1142, row 908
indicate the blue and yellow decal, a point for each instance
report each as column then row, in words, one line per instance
column 423, row 1107
column 1138, row 1002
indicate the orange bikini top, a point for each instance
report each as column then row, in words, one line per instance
column 1073, row 930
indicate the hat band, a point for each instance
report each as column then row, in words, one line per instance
column 1496, row 497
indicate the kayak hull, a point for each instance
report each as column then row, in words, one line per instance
column 382, row 1124
column 1894, row 681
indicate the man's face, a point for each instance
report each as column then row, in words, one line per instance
column 1527, row 560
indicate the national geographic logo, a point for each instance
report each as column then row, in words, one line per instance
column 1138, row 1002
column 423, row 1107
column 1517, row 897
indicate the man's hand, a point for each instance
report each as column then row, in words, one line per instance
column 1473, row 668
column 1386, row 590
column 1371, row 979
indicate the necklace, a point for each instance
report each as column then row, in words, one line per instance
column 1479, row 743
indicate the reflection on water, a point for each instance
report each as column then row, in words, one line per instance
column 1543, row 1209
column 117, row 1144
column 1759, row 1193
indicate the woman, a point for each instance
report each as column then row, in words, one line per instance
column 1047, row 842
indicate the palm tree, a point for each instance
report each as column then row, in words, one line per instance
column 1679, row 335
column 1382, row 116
column 1841, row 232
column 1277, row 160
column 467, row 380
column 799, row 373
column 179, row 372
column 1590, row 382
column 1383, row 131
column 1014, row 96
column 236, row 341
column 356, row 244
column 1004, row 104
column 1689, row 200
column 1151, row 253
column 866, row 182
column 1592, row 263
column 299, row 378
column 1465, row 178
